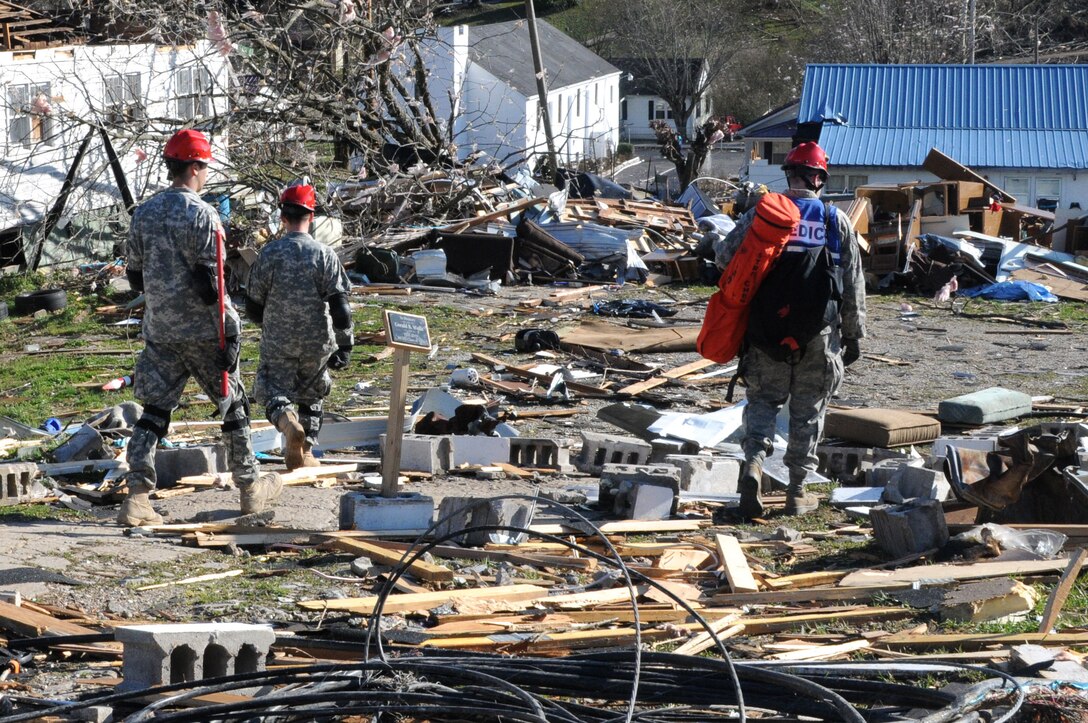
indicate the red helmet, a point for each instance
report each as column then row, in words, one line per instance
column 806, row 155
column 301, row 194
column 188, row 145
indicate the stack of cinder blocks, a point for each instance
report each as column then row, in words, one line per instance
column 162, row 654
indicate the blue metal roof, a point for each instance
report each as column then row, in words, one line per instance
column 984, row 116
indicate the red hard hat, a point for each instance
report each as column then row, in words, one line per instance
column 807, row 155
column 188, row 145
column 300, row 195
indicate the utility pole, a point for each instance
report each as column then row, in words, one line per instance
column 971, row 31
column 541, row 85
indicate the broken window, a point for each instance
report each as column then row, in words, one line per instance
column 29, row 113
column 1048, row 193
column 194, row 91
column 124, row 98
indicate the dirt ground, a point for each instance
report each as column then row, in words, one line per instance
column 914, row 356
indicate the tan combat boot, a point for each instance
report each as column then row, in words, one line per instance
column 136, row 510
column 797, row 502
column 260, row 495
column 294, row 437
column 751, row 480
column 308, row 458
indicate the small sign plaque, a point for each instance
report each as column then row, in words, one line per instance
column 407, row 331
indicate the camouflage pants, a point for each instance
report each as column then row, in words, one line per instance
column 294, row 383
column 162, row 371
column 806, row 386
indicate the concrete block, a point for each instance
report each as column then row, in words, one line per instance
column 173, row 464
column 462, row 513
column 639, row 492
column 372, row 512
column 423, row 453
column 882, row 472
column 910, row 528
column 601, row 449
column 474, row 449
column 15, row 481
column 662, row 447
column 86, row 443
column 910, row 482
column 538, row 452
column 701, row 474
column 162, row 654
column 845, row 464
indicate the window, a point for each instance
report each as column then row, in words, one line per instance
column 659, row 110
column 596, row 87
column 1018, row 186
column 578, row 103
column 193, row 87
column 610, row 89
column 29, row 119
column 845, row 183
column 777, row 152
column 124, row 98
column 1048, row 188
column 623, row 109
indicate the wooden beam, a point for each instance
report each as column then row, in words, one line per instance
column 735, row 564
column 1061, row 591
column 969, row 641
column 426, row 601
column 420, row 569
column 462, row 226
column 625, row 527
column 724, row 627
column 786, row 597
column 972, row 571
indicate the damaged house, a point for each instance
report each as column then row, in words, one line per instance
column 482, row 77
column 1023, row 127
column 83, row 123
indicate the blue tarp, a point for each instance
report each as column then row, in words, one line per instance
column 1011, row 291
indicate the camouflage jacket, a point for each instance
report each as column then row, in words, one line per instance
column 292, row 278
column 171, row 234
column 852, row 309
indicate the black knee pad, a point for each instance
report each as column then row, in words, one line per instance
column 241, row 404
column 149, row 420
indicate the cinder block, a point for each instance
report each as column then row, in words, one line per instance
column 662, row 447
column 621, row 491
column 86, row 443
column 175, row 463
column 474, row 449
column 15, row 481
column 917, row 482
column 372, row 512
column 462, row 513
column 906, row 529
column 162, row 654
column 423, row 453
column 701, row 474
column 883, row 471
column 601, row 449
column 538, row 452
column 844, row 464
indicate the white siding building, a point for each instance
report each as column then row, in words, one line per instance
column 640, row 105
column 482, row 77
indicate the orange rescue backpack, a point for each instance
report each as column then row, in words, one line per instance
column 726, row 319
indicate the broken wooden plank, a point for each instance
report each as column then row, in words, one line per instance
column 735, row 564
column 419, row 568
column 805, row 580
column 724, row 627
column 35, row 625
column 300, row 476
column 822, row 652
column 1061, row 591
column 425, row 601
column 979, row 641
column 972, row 571
column 785, row 597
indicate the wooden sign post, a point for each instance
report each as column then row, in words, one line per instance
column 405, row 333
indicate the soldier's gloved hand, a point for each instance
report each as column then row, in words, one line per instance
column 227, row 359
column 340, row 358
column 851, row 351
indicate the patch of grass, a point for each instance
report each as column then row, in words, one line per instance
column 39, row 512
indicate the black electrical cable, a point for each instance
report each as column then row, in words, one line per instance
column 615, row 559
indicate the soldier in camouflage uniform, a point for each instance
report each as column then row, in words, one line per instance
column 172, row 259
column 298, row 292
column 808, row 383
